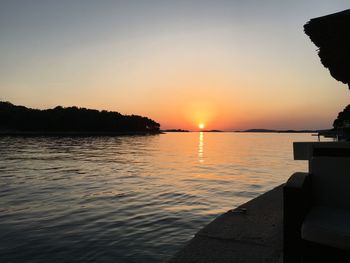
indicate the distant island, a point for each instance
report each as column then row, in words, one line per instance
column 60, row 120
column 341, row 127
column 175, row 130
column 213, row 131
column 181, row 130
column 280, row 131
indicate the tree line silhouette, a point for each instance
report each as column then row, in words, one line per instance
column 71, row 119
column 343, row 119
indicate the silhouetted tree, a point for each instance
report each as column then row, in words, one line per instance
column 332, row 36
column 343, row 118
column 71, row 119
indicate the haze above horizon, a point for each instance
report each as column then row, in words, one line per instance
column 229, row 65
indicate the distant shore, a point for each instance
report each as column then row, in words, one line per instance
column 17, row 120
column 175, row 130
column 181, row 130
column 73, row 134
column 282, row 131
column 253, row 131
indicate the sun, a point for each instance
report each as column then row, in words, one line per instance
column 201, row 126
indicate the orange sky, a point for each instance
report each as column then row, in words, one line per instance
column 228, row 64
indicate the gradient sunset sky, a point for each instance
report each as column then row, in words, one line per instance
column 228, row 64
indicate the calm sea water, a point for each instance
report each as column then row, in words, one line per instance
column 132, row 198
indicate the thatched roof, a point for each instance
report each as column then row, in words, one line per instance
column 331, row 34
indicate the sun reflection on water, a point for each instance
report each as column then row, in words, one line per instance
column 201, row 147
column 114, row 193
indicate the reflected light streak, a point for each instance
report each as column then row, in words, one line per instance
column 201, row 147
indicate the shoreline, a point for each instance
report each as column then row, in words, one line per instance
column 72, row 134
column 249, row 233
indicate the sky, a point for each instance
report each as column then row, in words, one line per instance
column 230, row 65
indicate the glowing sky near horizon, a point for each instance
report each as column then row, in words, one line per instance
column 227, row 64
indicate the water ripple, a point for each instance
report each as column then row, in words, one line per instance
column 131, row 198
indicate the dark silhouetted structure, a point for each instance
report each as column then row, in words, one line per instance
column 317, row 207
column 71, row 119
column 316, row 204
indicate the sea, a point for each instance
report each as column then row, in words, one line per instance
column 129, row 198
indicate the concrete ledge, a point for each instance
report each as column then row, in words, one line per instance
column 305, row 150
column 250, row 233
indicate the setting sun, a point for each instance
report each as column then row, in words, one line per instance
column 201, row 126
